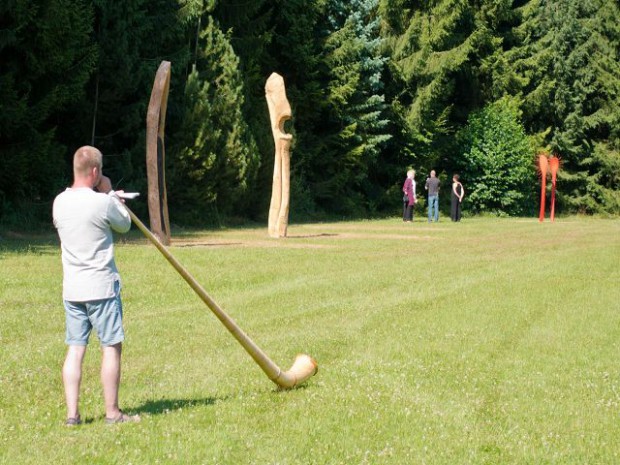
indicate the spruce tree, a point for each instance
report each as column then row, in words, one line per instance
column 215, row 157
column 250, row 29
column 439, row 54
column 567, row 63
column 356, row 102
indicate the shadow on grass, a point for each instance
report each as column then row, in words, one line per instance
column 47, row 243
column 163, row 406
column 208, row 244
column 159, row 407
column 310, row 236
column 18, row 243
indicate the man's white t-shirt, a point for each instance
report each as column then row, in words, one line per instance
column 85, row 220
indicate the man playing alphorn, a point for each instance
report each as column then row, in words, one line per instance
column 85, row 215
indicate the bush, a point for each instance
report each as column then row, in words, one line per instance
column 497, row 161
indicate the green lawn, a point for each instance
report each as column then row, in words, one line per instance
column 492, row 341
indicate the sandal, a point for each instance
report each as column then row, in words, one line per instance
column 122, row 418
column 75, row 421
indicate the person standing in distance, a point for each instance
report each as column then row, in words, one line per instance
column 85, row 215
column 409, row 198
column 457, row 198
column 432, row 186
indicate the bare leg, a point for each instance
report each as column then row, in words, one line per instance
column 111, row 377
column 72, row 377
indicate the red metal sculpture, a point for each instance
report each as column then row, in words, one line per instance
column 554, row 166
column 542, row 168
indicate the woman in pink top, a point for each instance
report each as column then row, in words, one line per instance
column 409, row 198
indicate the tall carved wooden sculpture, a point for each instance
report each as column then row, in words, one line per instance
column 279, row 113
column 156, row 154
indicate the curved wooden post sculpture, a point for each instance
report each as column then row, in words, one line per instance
column 304, row 366
column 279, row 113
column 542, row 168
column 554, row 166
column 156, row 154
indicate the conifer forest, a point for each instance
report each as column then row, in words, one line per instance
column 475, row 87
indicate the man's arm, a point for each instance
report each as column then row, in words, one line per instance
column 118, row 216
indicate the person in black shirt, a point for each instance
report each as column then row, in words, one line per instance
column 457, row 198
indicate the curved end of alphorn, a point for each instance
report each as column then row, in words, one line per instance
column 303, row 368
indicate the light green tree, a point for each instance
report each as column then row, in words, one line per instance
column 498, row 160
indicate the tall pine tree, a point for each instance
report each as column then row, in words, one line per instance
column 249, row 25
column 357, row 109
column 566, row 60
column 215, row 156
column 438, row 49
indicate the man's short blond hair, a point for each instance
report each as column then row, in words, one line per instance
column 85, row 159
column 411, row 172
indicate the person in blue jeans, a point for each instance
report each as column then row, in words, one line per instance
column 432, row 186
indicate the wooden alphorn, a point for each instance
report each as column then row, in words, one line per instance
column 304, row 366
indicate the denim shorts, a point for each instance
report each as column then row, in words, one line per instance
column 105, row 315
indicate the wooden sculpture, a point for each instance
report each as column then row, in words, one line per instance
column 156, row 154
column 279, row 113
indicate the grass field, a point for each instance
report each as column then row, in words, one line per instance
column 493, row 341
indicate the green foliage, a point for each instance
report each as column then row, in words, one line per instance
column 214, row 154
column 250, row 27
column 497, row 163
column 603, row 188
column 300, row 56
column 356, row 103
column 375, row 86
column 566, row 59
column 439, row 50
column 132, row 37
column 46, row 58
